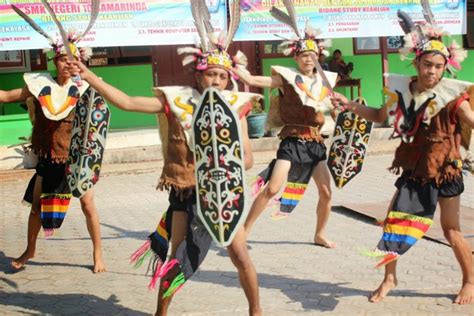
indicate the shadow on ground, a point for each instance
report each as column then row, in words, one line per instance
column 312, row 295
column 6, row 268
column 10, row 283
column 320, row 296
column 118, row 233
column 5, row 264
column 354, row 215
column 63, row 304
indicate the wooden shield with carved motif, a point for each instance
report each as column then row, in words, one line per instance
column 87, row 142
column 349, row 146
column 219, row 167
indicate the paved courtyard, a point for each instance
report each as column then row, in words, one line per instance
column 295, row 276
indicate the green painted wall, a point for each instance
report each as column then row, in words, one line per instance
column 135, row 81
column 14, row 121
column 11, row 81
column 12, row 127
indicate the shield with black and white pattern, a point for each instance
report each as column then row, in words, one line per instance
column 219, row 167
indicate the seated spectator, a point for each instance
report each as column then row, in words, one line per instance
column 338, row 65
column 322, row 62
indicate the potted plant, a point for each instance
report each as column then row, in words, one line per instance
column 256, row 120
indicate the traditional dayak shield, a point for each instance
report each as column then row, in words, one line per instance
column 87, row 142
column 219, row 167
column 349, row 147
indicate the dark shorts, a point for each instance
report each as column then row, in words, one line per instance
column 180, row 202
column 301, row 152
column 445, row 190
column 54, row 179
column 47, row 168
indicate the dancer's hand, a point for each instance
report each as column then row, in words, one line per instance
column 77, row 67
column 338, row 100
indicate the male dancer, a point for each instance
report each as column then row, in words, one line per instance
column 51, row 103
column 51, row 136
column 213, row 67
column 302, row 103
column 430, row 114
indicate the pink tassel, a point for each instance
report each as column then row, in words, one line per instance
column 257, row 186
column 161, row 271
column 155, row 277
column 140, row 251
column 167, row 267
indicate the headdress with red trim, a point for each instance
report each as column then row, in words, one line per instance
column 426, row 37
column 57, row 46
column 299, row 44
column 212, row 51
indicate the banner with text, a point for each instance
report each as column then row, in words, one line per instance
column 120, row 22
column 346, row 18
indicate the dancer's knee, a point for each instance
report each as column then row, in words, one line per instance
column 240, row 258
column 242, row 263
column 325, row 194
column 270, row 191
column 452, row 234
column 89, row 211
column 87, row 201
column 88, row 206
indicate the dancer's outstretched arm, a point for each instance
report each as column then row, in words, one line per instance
column 370, row 114
column 259, row 81
column 116, row 96
column 15, row 95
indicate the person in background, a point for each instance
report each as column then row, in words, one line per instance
column 322, row 62
column 338, row 65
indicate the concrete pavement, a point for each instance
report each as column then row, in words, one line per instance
column 296, row 278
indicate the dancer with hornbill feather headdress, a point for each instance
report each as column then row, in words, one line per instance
column 51, row 103
column 300, row 112
column 181, row 242
column 434, row 117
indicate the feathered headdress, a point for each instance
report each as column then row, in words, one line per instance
column 298, row 45
column 426, row 37
column 212, row 51
column 73, row 38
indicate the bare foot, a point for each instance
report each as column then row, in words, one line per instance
column 382, row 291
column 99, row 265
column 323, row 242
column 465, row 295
column 20, row 262
column 277, row 215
